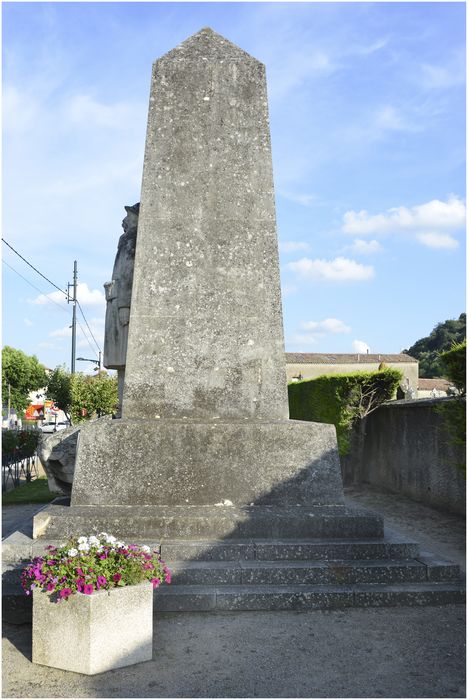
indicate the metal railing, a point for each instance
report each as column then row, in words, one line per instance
column 16, row 467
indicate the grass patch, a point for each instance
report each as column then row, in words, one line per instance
column 37, row 491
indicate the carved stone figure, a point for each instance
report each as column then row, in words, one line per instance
column 118, row 297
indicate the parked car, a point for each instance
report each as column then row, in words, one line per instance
column 52, row 427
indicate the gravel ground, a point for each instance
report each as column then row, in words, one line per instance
column 374, row 652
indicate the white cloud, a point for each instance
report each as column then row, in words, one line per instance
column 329, row 325
column 438, row 240
column 288, row 289
column 305, row 199
column 301, row 341
column 361, row 347
column 291, row 246
column 85, row 296
column 83, row 110
column 435, row 214
column 338, row 270
column 27, row 322
column 361, row 247
column 388, row 118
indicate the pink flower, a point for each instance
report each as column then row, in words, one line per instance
column 117, row 577
column 148, row 566
column 155, row 582
column 65, row 592
column 101, row 581
column 50, row 586
column 168, row 577
column 80, row 571
column 88, row 588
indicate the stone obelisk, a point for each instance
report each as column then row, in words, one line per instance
column 205, row 409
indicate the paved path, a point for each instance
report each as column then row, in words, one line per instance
column 374, row 652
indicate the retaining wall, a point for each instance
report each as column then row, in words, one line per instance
column 404, row 447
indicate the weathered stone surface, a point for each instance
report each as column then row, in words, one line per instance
column 94, row 633
column 208, row 522
column 150, row 462
column 57, row 453
column 206, row 337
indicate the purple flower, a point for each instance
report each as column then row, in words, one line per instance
column 101, row 581
column 156, row 582
column 168, row 576
column 50, row 586
column 117, row 577
column 65, row 592
column 88, row 589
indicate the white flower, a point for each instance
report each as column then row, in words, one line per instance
column 103, row 535
column 83, row 547
column 93, row 541
column 110, row 539
column 72, row 552
column 82, row 539
column 120, row 545
column 145, row 548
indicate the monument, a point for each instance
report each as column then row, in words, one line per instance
column 205, row 415
column 204, row 458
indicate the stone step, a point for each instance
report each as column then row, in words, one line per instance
column 267, row 597
column 305, row 572
column 392, row 547
column 208, row 522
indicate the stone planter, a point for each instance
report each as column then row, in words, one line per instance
column 94, row 633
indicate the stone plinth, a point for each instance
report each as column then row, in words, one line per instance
column 192, row 463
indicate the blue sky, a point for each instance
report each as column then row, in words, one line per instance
column 367, row 112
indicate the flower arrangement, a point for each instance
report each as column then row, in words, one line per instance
column 89, row 564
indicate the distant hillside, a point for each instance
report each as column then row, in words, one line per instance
column 427, row 350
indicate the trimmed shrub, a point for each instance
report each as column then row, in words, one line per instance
column 342, row 399
column 22, row 442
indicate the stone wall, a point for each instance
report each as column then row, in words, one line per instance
column 404, row 447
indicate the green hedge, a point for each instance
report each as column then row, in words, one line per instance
column 342, row 399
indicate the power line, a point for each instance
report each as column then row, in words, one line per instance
column 36, row 288
column 34, row 268
column 53, row 301
column 82, row 313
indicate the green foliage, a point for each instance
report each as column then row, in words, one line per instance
column 59, row 389
column 342, row 399
column 87, row 564
column 37, row 491
column 22, row 373
column 427, row 350
column 454, row 365
column 92, row 396
column 22, row 441
column 81, row 396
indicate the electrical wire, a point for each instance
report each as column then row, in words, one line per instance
column 36, row 288
column 92, row 336
column 56, row 287
column 35, row 269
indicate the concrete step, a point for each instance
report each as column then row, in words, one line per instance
column 305, row 572
column 208, row 522
column 392, row 547
column 267, row 597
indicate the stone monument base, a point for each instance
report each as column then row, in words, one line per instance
column 172, row 463
column 158, row 523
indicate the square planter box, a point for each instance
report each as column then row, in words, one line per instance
column 94, row 633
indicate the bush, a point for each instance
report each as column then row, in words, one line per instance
column 454, row 365
column 23, row 442
column 342, row 399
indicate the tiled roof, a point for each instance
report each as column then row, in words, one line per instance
column 317, row 358
column 429, row 384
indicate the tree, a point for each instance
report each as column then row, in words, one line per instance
column 21, row 374
column 59, row 390
column 81, row 396
column 427, row 350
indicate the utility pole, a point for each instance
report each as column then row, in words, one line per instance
column 73, row 326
